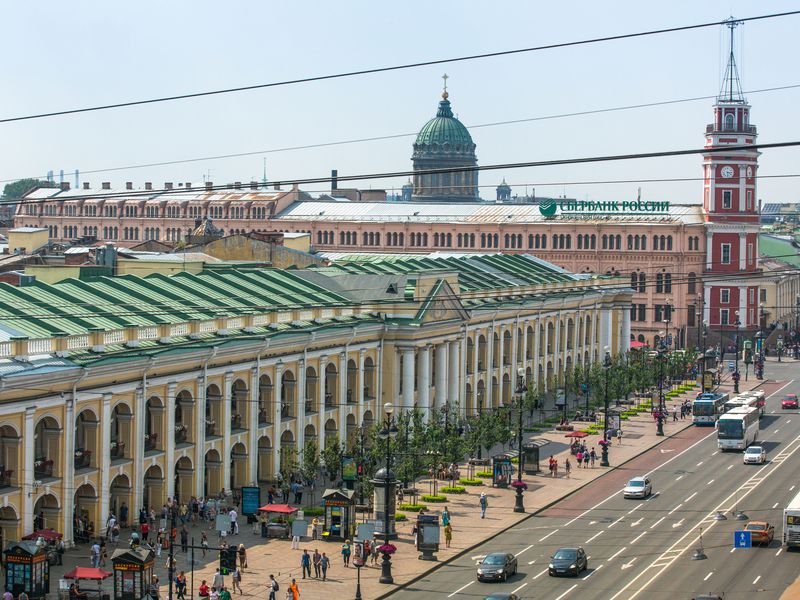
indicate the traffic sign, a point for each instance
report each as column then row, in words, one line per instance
column 742, row 539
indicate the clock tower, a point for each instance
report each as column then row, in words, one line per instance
column 730, row 278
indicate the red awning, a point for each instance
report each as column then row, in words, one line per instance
column 87, row 573
column 638, row 344
column 283, row 509
column 49, row 535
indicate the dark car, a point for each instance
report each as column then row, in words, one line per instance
column 497, row 567
column 568, row 561
column 502, row 597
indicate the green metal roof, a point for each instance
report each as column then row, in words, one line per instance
column 475, row 271
column 444, row 128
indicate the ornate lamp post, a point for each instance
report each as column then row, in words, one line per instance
column 522, row 389
column 736, row 356
column 606, row 369
column 662, row 353
column 703, row 359
column 387, row 432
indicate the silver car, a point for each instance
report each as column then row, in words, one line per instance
column 754, row 455
column 638, row 487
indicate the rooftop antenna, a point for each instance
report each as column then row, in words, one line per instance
column 731, row 90
column 264, row 177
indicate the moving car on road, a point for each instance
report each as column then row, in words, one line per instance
column 754, row 455
column 568, row 561
column 638, row 487
column 497, row 567
column 761, row 532
column 502, row 597
column 789, row 401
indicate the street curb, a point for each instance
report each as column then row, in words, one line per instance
column 438, row 565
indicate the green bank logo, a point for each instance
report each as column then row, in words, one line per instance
column 548, row 208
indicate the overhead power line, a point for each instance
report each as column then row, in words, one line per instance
column 428, row 63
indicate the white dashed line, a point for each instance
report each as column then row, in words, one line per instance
column 594, row 536
column 593, row 572
column 657, row 522
column 710, row 482
column 525, row 550
column 692, row 496
column 567, row 592
column 730, row 467
column 617, row 553
column 715, row 453
column 679, row 477
column 461, row 589
column 791, row 488
column 532, row 561
column 540, row 574
column 775, row 505
column 779, row 551
column 676, row 508
column 776, row 431
column 732, row 550
column 637, row 507
column 548, row 535
column 700, row 463
column 520, row 587
column 634, row 540
column 707, row 577
column 755, row 581
column 787, row 422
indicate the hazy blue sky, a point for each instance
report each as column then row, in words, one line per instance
column 69, row 54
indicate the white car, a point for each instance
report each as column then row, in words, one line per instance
column 638, row 487
column 754, row 455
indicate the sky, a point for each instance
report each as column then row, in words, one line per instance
column 67, row 55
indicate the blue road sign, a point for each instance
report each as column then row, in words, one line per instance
column 742, row 539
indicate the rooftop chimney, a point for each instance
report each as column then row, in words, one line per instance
column 334, row 179
column 237, row 185
column 64, row 185
column 128, row 185
column 276, row 186
column 168, row 185
column 188, row 184
column 253, row 185
column 209, row 185
column 106, row 185
column 86, row 185
column 148, row 185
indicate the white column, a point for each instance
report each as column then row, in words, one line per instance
column 27, row 460
column 536, row 337
column 226, row 431
column 138, row 454
column 252, row 446
column 514, row 358
column 557, row 350
column 301, row 408
column 408, row 378
column 360, row 395
column 707, row 304
column 742, row 188
column 69, row 467
column 605, row 331
column 501, row 350
column 441, row 375
column 169, row 440
column 343, row 374
column 276, row 420
column 576, row 337
column 424, row 389
column 742, row 305
column 489, row 397
column 105, row 449
column 742, row 251
column 323, row 362
column 453, row 395
column 462, row 367
column 625, row 344
column 709, row 247
column 524, row 358
column 199, row 438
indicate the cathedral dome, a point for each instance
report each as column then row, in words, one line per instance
column 444, row 132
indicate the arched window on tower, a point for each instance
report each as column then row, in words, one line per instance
column 669, row 242
column 630, row 241
column 605, row 242
column 496, row 240
column 507, row 241
column 729, row 122
column 644, row 242
column 594, row 241
column 569, row 242
column 449, row 240
column 530, row 241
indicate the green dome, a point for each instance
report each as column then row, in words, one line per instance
column 443, row 129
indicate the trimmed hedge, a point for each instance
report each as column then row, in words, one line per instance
column 433, row 498
column 400, row 517
column 413, row 507
column 468, row 481
column 483, row 474
column 315, row 511
column 453, row 489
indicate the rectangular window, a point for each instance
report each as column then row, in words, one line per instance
column 724, row 296
column 723, row 317
column 749, row 254
column 727, row 198
column 726, row 254
column 690, row 321
column 659, row 315
column 751, row 312
column 749, row 199
column 633, row 312
column 752, row 295
column 762, row 294
column 643, row 312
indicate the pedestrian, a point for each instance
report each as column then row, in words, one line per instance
column 445, row 517
column 234, row 524
column 324, row 563
column 103, row 553
column 550, row 463
column 203, row 591
column 484, row 502
column 159, row 542
column 314, row 526
column 218, row 581
column 273, row 587
column 346, row 553
column 316, row 561
column 555, row 467
column 242, row 557
column 214, row 594
column 224, row 594
column 674, row 414
column 592, row 457
column 123, row 515
column 154, row 587
column 180, row 585
column 619, row 436
column 293, row 592
column 184, row 539
column 579, row 458
column 204, row 543
column 567, row 467
column 305, row 563
column 448, row 535
column 95, row 555
column 237, row 580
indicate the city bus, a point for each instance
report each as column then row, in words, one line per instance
column 758, row 398
column 737, row 429
column 735, row 402
column 707, row 408
column 791, row 522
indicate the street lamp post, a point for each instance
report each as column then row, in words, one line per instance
column 736, row 357
column 522, row 389
column 662, row 351
column 606, row 369
column 388, row 431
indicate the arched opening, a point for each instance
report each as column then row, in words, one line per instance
column 47, row 453
column 239, row 405
column 310, row 433
column 9, row 524
column 352, row 381
column 506, row 390
column 331, row 386
column 238, row 467
column 529, row 344
column 469, row 401
column 312, row 391
column 212, row 474
column 288, row 385
column 369, row 419
column 480, row 396
column 495, row 397
column 570, row 333
column 213, row 411
column 87, row 506
column 264, row 459
column 288, row 454
column 481, row 353
column 506, row 348
column 331, row 432
column 350, row 426
column 184, row 479
column 184, row 417
column 86, row 431
column 470, row 355
column 551, row 337
column 264, row 400
column 47, row 513
column 119, row 497
column 369, row 379
column 10, row 471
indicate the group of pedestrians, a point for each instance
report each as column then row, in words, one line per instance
column 585, row 457
column 320, row 562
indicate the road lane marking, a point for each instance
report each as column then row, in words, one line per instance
column 779, row 551
column 657, row 522
column 707, row 577
column 567, row 592
column 653, row 497
column 540, row 574
column 615, row 522
column 520, row 587
column 678, row 524
column 776, row 431
column 679, row 477
column 732, row 550
column 617, row 553
column 634, row 540
column 461, row 589
column 715, row 453
column 477, row 557
column 592, row 572
column 628, row 565
column 755, row 581
column 787, row 422
column 700, row 463
column 635, row 523
column 692, row 496
column 730, row 467
column 635, row 508
column 594, row 536
column 710, row 482
column 791, row 488
column 775, row 505
column 548, row 535
column 532, row 561
column 525, row 550
column 676, row 508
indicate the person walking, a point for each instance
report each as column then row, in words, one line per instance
column 316, row 561
column 293, row 592
column 273, row 587
column 314, row 529
column 567, row 467
column 305, row 563
column 579, row 457
column 555, row 467
column 234, row 524
column 184, row 539
column 484, row 502
column 324, row 563
column 237, row 580
column 619, row 434
column 204, row 543
column 242, row 557
column 448, row 535
column 218, row 581
column 346, row 553
column 593, row 457
column 585, row 458
column 180, row 585
column 445, row 517
column 224, row 594
column 96, row 555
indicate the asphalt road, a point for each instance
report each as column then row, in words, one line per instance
column 643, row 548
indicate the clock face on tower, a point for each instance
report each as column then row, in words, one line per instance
column 726, row 172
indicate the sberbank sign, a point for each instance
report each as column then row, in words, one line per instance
column 549, row 208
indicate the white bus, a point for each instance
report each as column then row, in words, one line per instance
column 735, row 402
column 756, row 398
column 791, row 522
column 737, row 429
column 706, row 408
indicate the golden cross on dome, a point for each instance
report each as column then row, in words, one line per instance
column 445, row 77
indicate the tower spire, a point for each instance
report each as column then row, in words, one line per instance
column 731, row 89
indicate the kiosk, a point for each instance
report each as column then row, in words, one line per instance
column 133, row 572
column 502, row 471
column 340, row 512
column 27, row 570
column 428, row 536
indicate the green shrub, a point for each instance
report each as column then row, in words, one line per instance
column 400, row 517
column 433, row 498
column 482, row 474
column 314, row 511
column 453, row 489
column 413, row 507
column 468, row 481
column 514, row 459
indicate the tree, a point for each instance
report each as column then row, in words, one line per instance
column 19, row 188
column 332, row 457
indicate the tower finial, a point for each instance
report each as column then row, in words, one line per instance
column 445, row 77
column 731, row 89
